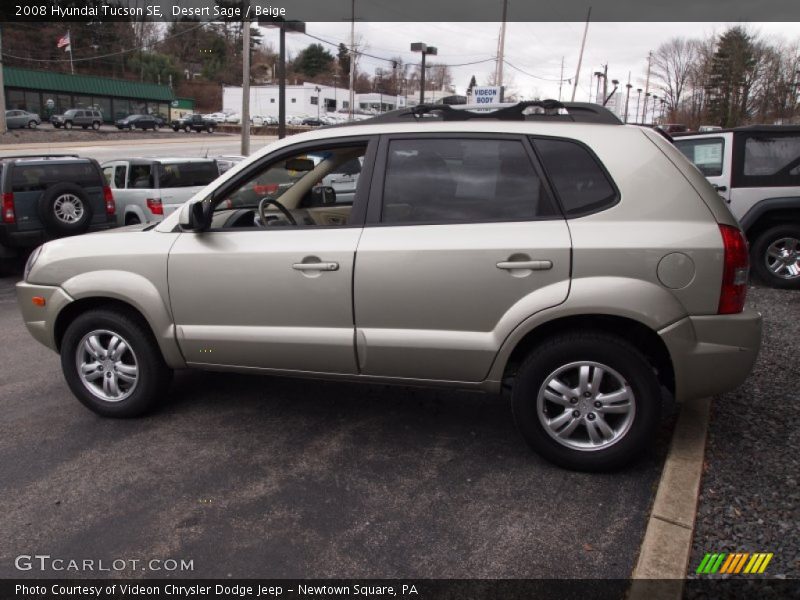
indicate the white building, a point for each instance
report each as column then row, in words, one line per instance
column 306, row 100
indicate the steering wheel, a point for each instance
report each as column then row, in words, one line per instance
column 262, row 213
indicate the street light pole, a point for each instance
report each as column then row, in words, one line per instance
column 638, row 99
column 318, row 90
column 245, row 118
column 627, row 97
column 425, row 50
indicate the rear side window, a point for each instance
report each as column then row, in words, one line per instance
column 580, row 182
column 140, row 177
column 119, row 177
column 462, row 181
column 190, row 174
column 706, row 154
column 26, row 178
column 766, row 159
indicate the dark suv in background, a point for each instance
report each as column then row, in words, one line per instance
column 78, row 118
column 48, row 197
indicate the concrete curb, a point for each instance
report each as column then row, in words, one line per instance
column 664, row 556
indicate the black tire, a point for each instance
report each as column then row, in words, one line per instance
column 607, row 350
column 56, row 125
column 132, row 219
column 153, row 379
column 32, row 124
column 131, row 126
column 68, row 125
column 186, row 128
column 759, row 255
column 210, row 129
column 96, row 125
column 48, row 209
column 84, row 127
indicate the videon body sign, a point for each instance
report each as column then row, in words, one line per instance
column 487, row 94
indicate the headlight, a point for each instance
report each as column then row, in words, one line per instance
column 31, row 261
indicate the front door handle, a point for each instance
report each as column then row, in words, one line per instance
column 316, row 266
column 533, row 265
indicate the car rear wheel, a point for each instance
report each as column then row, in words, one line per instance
column 775, row 256
column 587, row 401
column 210, row 129
column 65, row 209
column 187, row 129
column 131, row 126
column 132, row 219
column 112, row 363
column 96, row 125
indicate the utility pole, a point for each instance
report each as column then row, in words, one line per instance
column 501, row 44
column 245, row 88
column 580, row 56
column 605, row 83
column 627, row 96
column 561, row 79
column 352, row 56
column 647, row 86
column 3, row 125
column 282, row 81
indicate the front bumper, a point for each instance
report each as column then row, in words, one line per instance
column 712, row 354
column 40, row 320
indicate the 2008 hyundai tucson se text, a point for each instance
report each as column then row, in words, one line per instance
column 546, row 247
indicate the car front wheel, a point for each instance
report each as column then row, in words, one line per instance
column 775, row 256
column 68, row 125
column 112, row 363
column 587, row 401
column 32, row 124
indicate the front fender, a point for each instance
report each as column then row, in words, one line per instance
column 645, row 302
column 140, row 293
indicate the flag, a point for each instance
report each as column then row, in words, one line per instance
column 63, row 42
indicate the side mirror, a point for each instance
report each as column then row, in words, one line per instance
column 194, row 216
column 323, row 194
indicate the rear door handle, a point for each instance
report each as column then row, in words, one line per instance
column 316, row 266
column 533, row 265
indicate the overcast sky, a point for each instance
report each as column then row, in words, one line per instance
column 535, row 48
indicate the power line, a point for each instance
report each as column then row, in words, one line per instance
column 556, row 80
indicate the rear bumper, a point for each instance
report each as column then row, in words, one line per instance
column 712, row 354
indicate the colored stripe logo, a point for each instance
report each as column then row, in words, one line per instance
column 734, row 563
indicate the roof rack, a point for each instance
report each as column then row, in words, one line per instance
column 37, row 156
column 532, row 110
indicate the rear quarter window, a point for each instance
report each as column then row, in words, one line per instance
column 706, row 154
column 189, row 174
column 768, row 160
column 582, row 185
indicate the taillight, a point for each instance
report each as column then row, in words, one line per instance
column 734, row 273
column 8, row 208
column 154, row 206
column 111, row 208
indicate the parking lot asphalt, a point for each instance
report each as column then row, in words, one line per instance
column 253, row 476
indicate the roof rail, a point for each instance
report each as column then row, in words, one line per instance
column 531, row 110
column 37, row 156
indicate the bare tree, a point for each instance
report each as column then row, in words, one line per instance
column 672, row 68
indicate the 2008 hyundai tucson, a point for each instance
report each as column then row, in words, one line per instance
column 545, row 246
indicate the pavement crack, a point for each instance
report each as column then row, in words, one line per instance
column 673, row 522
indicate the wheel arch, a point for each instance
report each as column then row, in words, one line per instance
column 637, row 333
column 126, row 291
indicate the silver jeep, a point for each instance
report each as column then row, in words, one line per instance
column 543, row 247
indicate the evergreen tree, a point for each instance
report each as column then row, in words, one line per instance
column 731, row 77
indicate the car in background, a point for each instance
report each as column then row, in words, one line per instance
column 257, row 121
column 228, row 161
column 756, row 170
column 77, row 117
column 51, row 196
column 143, row 122
column 148, row 189
column 217, row 117
column 707, row 128
column 17, row 119
column 311, row 121
column 194, row 122
column 233, row 119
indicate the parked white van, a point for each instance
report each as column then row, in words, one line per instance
column 148, row 189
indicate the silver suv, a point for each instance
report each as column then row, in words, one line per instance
column 541, row 247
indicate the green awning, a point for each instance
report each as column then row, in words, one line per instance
column 88, row 85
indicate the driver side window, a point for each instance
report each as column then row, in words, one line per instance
column 303, row 190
